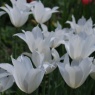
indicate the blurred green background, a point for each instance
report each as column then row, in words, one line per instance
column 53, row 83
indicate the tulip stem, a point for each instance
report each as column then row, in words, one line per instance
column 44, row 85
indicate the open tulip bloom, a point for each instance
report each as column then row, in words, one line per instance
column 25, row 75
column 34, row 39
column 17, row 16
column 82, row 25
column 78, row 48
column 75, row 74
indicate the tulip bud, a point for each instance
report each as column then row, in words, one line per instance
column 86, row 2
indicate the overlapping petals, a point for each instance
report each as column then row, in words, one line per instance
column 17, row 16
column 82, row 25
column 79, row 47
column 6, row 79
column 34, row 39
column 26, row 77
column 75, row 73
column 45, row 60
column 42, row 14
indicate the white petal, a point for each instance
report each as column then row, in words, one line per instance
column 26, row 61
column 55, row 54
column 2, row 12
column 34, row 78
column 7, row 67
column 6, row 83
column 21, row 35
column 38, row 12
column 37, row 58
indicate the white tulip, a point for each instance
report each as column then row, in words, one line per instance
column 17, row 16
column 75, row 74
column 79, row 47
column 42, row 14
column 26, row 77
column 82, row 25
column 34, row 39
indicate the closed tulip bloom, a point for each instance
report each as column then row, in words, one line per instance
column 6, row 80
column 78, row 48
column 42, row 14
column 26, row 77
column 75, row 74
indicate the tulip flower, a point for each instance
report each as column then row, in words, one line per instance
column 17, row 16
column 82, row 25
column 6, row 80
column 26, row 77
column 75, row 74
column 78, row 48
column 42, row 14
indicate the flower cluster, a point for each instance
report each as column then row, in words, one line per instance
column 79, row 42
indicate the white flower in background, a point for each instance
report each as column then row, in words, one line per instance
column 82, row 25
column 6, row 79
column 75, row 74
column 42, row 14
column 26, row 77
column 79, row 47
column 45, row 60
column 17, row 16
column 2, row 12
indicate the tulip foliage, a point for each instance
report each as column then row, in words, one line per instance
column 28, row 70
